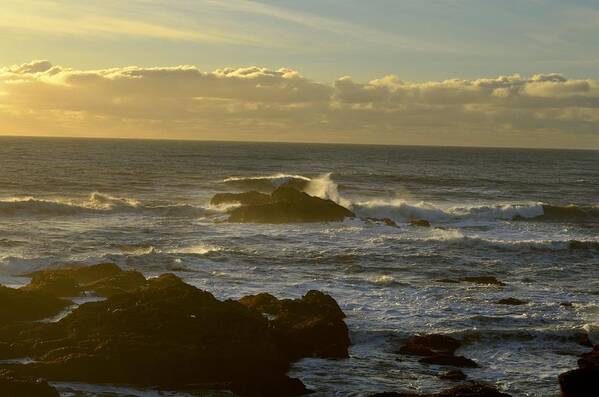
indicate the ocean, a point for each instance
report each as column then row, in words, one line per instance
column 530, row 218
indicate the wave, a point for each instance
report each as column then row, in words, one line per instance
column 268, row 183
column 96, row 203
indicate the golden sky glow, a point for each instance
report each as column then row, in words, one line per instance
column 253, row 103
column 425, row 72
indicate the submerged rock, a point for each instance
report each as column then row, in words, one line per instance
column 463, row 390
column 453, row 375
column 169, row 334
column 289, row 205
column 436, row 349
column 429, row 345
column 583, row 381
column 486, row 280
column 511, row 301
column 386, row 221
column 15, row 386
column 420, row 222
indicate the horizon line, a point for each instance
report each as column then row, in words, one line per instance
column 292, row 142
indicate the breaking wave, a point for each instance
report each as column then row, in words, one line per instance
column 96, row 203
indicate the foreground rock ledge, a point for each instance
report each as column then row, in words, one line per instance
column 163, row 332
column 284, row 205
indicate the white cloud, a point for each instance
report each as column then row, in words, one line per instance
column 263, row 104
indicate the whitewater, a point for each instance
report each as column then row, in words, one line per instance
column 530, row 218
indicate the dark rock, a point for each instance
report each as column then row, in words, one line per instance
column 420, row 222
column 584, row 381
column 488, row 280
column 430, row 345
column 247, row 198
column 511, row 301
column 308, row 327
column 291, row 206
column 82, row 274
column 15, row 386
column 119, row 283
column 463, row 390
column 55, row 284
column 454, row 375
column 446, row 359
column 386, row 221
column 23, row 305
column 169, row 334
column 583, row 339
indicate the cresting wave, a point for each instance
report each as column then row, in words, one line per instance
column 96, row 203
column 402, row 210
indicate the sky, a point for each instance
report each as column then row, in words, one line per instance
column 435, row 72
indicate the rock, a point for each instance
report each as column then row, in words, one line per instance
column 583, row 339
column 117, row 284
column 247, row 198
column 386, row 221
column 584, row 381
column 420, row 223
column 24, row 305
column 104, row 279
column 291, row 206
column 472, row 389
column 14, row 386
column 487, row 280
column 429, row 345
column 169, row 334
column 308, row 327
column 453, row 375
column 82, row 274
column 446, row 359
column 511, row 301
column 55, row 284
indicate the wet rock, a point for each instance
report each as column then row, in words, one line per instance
column 104, row 280
column 583, row 339
column 55, row 284
column 420, row 223
column 169, row 334
column 81, row 274
column 312, row 326
column 464, row 390
column 15, row 386
column 291, row 206
column 117, row 284
column 511, row 301
column 429, row 345
column 583, row 381
column 453, row 375
column 247, row 198
column 386, row 221
column 486, row 280
column 449, row 360
column 24, row 305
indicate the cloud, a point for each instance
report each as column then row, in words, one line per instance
column 255, row 103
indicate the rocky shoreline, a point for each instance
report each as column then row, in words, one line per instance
column 164, row 333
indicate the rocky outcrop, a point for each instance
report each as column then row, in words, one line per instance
column 169, row 334
column 15, row 386
column 308, row 327
column 583, row 381
column 104, row 279
column 436, row 349
column 22, row 305
column 463, row 390
column 289, row 205
column 247, row 198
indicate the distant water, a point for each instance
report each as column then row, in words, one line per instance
column 528, row 217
